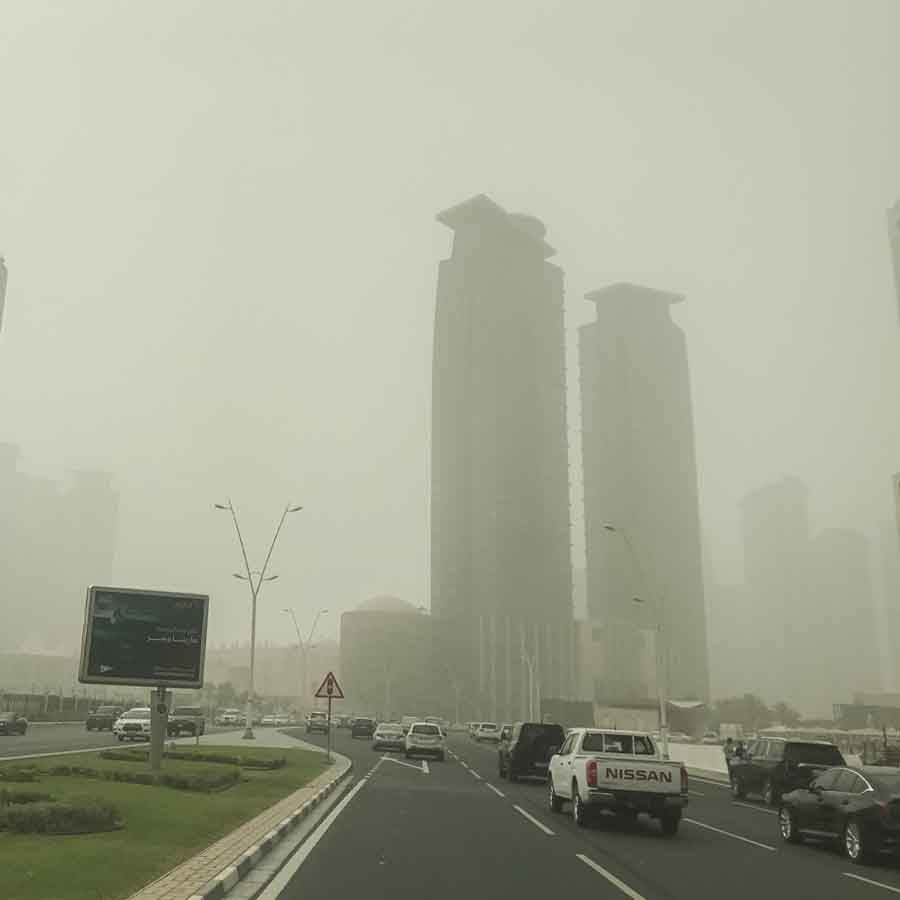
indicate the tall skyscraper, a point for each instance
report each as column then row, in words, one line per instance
column 501, row 581
column 642, row 521
column 894, row 236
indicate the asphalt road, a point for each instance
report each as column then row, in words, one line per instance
column 57, row 739
column 408, row 832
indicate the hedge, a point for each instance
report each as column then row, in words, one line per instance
column 245, row 762
column 59, row 818
column 18, row 774
column 18, row 798
column 195, row 781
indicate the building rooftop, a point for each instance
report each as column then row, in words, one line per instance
column 627, row 290
column 386, row 603
column 480, row 210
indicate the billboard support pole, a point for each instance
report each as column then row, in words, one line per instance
column 158, row 720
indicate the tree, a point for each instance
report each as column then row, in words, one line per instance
column 749, row 711
column 786, row 715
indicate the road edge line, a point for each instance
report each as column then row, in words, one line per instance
column 612, row 879
column 537, row 822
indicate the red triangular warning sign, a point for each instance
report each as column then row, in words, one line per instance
column 329, row 688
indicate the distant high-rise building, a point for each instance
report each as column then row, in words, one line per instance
column 777, row 537
column 809, row 609
column 501, row 582
column 642, row 521
column 894, row 236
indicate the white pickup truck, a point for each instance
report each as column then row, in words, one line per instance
column 621, row 771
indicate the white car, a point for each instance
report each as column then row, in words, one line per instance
column 425, row 739
column 281, row 719
column 268, row 720
column 389, row 736
column 133, row 725
column 488, row 731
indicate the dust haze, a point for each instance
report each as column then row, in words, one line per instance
column 219, row 226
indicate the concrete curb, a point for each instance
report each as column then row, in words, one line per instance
column 221, row 884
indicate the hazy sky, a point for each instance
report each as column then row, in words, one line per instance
column 219, row 224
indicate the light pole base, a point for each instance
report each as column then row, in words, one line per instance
column 248, row 735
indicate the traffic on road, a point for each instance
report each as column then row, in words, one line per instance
column 658, row 831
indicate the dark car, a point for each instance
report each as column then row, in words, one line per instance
column 528, row 750
column 317, row 721
column 13, row 723
column 103, row 718
column 363, row 727
column 773, row 766
column 859, row 806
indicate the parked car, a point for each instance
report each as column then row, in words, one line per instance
column 317, row 721
column 389, row 736
column 621, row 771
column 268, row 720
column 774, row 766
column 280, row 720
column 859, row 806
column 13, row 723
column 528, row 750
column 425, row 739
column 363, row 727
column 487, row 732
column 133, row 724
column 103, row 718
column 187, row 719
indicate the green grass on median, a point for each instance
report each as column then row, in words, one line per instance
column 163, row 826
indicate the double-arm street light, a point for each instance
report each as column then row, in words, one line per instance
column 255, row 578
column 662, row 678
column 305, row 646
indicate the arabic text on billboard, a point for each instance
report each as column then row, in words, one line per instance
column 143, row 637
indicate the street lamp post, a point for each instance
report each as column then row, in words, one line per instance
column 529, row 662
column 662, row 686
column 254, row 595
column 305, row 647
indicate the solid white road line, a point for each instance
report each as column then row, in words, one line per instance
column 762, row 809
column 463, row 763
column 887, row 887
column 425, row 768
column 497, row 792
column 624, row 888
column 475, row 774
column 730, row 834
column 696, row 794
column 292, row 866
column 419, row 768
column 534, row 821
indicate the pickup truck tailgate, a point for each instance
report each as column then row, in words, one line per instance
column 636, row 774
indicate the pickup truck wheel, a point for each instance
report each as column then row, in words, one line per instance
column 670, row 822
column 511, row 773
column 556, row 802
column 579, row 813
column 501, row 772
column 855, row 843
column 737, row 789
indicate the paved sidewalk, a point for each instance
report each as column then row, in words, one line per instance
column 190, row 878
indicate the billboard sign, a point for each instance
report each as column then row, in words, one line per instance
column 137, row 637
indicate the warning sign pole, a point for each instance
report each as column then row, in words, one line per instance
column 329, row 728
column 329, row 689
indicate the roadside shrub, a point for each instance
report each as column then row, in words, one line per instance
column 18, row 774
column 60, row 818
column 245, row 762
column 202, row 780
column 18, row 798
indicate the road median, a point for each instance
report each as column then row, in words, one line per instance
column 176, row 838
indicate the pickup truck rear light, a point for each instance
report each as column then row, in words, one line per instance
column 592, row 772
column 684, row 780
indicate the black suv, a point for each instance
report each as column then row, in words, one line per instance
column 103, row 718
column 528, row 750
column 773, row 766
